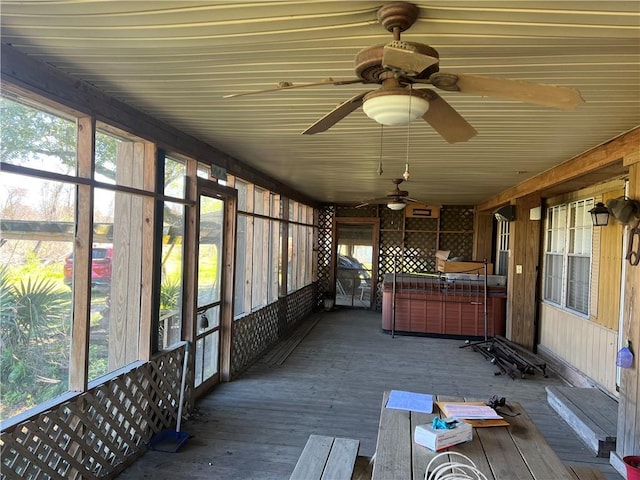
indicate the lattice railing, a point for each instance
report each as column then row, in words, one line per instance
column 325, row 225
column 98, row 433
column 258, row 331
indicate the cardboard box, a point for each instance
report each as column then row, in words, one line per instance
column 445, row 266
column 440, row 439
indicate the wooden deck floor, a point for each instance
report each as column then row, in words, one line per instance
column 332, row 384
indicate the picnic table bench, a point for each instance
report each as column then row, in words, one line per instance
column 326, row 458
column 517, row 451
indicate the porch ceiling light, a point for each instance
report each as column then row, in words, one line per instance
column 396, row 205
column 599, row 215
column 395, row 106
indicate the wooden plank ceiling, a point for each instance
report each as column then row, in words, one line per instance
column 176, row 59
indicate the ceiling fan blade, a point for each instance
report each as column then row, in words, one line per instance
column 375, row 201
column 290, row 86
column 537, row 93
column 446, row 121
column 399, row 56
column 335, row 115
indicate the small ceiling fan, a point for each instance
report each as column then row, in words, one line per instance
column 395, row 200
column 399, row 65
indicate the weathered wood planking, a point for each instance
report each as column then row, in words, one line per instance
column 313, row 458
column 518, row 451
column 332, row 384
column 279, row 352
column 590, row 412
column 393, row 448
column 545, row 462
column 585, row 473
column 342, row 459
column 326, row 458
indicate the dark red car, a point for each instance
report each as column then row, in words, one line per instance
column 100, row 267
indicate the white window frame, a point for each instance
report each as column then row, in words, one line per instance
column 502, row 248
column 568, row 238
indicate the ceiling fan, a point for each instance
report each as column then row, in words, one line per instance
column 399, row 65
column 395, row 200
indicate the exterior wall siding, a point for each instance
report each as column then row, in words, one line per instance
column 584, row 344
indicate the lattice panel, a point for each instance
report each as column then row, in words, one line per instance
column 422, row 224
column 390, row 243
column 98, row 433
column 391, row 219
column 299, row 305
column 325, row 225
column 421, row 244
column 458, row 244
column 416, row 263
column 422, row 238
column 456, row 218
column 257, row 332
column 253, row 334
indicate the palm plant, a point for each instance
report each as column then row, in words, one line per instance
column 34, row 326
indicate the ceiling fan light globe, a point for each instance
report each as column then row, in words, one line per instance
column 396, row 205
column 395, row 109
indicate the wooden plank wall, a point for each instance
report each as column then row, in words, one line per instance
column 628, row 441
column 127, row 245
column 522, row 287
column 609, row 269
column 483, row 236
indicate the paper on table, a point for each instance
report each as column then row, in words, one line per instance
column 472, row 412
column 416, row 402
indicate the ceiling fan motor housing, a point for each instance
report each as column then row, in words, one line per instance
column 398, row 15
column 368, row 63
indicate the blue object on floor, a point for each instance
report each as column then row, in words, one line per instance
column 168, row 441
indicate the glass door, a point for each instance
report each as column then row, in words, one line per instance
column 213, row 292
column 354, row 265
column 209, row 282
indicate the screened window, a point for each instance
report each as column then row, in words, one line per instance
column 55, row 272
column 567, row 272
column 169, row 328
column 258, row 248
column 300, row 257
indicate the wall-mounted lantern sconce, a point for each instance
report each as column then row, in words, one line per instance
column 599, row 215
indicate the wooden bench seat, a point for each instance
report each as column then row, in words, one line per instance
column 592, row 414
column 326, row 458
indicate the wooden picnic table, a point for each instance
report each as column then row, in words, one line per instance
column 518, row 451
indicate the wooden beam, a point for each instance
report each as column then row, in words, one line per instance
column 145, row 346
column 631, row 158
column 628, row 440
column 78, row 375
column 30, row 75
column 226, row 313
column 599, row 157
column 483, row 236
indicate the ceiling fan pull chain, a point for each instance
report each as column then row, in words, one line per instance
column 406, row 173
column 380, row 161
